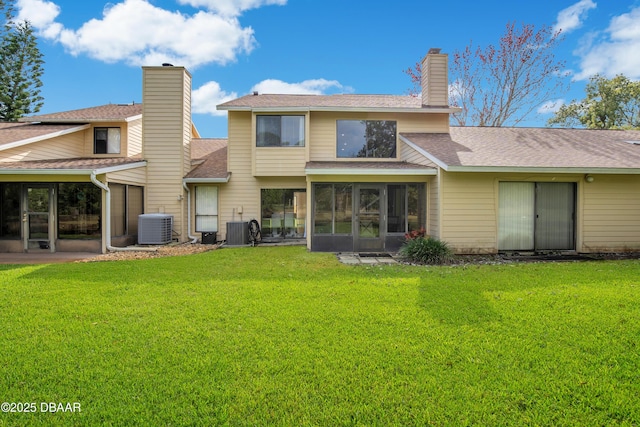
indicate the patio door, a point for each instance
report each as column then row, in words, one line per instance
column 369, row 218
column 38, row 219
column 536, row 216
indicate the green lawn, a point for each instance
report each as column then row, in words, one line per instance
column 279, row 336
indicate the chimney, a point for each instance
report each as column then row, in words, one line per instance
column 435, row 79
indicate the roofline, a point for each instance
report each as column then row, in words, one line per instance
column 523, row 169
column 43, row 137
column 97, row 171
column 369, row 171
column 97, row 120
column 207, row 180
column 425, row 110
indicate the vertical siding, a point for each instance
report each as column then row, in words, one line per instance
column 610, row 214
column 61, row 147
column 322, row 144
column 166, row 125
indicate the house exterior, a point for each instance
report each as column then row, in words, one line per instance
column 339, row 173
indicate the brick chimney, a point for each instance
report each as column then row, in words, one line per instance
column 435, row 79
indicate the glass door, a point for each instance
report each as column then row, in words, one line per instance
column 37, row 218
column 369, row 224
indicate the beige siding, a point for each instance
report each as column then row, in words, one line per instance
column 435, row 87
column 134, row 138
column 285, row 161
column 410, row 155
column 611, row 214
column 61, row 147
column 137, row 176
column 323, row 130
column 434, row 206
column 166, row 125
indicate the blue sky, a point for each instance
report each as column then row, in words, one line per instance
column 94, row 50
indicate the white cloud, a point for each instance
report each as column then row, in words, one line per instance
column 614, row 51
column 206, row 97
column 571, row 18
column 230, row 7
column 307, row 87
column 551, row 107
column 139, row 33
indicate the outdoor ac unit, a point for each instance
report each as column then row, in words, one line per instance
column 154, row 229
column 237, row 233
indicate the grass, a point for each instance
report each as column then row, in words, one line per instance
column 280, row 336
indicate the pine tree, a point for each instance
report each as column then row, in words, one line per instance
column 20, row 68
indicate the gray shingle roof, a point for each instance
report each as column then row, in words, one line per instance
column 530, row 148
column 69, row 164
column 209, row 156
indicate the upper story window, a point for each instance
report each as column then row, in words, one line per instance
column 366, row 138
column 106, row 141
column 280, row 131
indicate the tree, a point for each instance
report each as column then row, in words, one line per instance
column 20, row 68
column 503, row 85
column 609, row 104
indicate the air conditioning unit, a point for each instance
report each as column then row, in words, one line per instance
column 154, row 229
column 237, row 233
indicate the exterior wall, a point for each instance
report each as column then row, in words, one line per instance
column 61, row 147
column 137, row 176
column 89, row 139
column 435, row 81
column 610, row 214
column 275, row 161
column 322, row 133
column 434, row 205
column 166, row 137
column 134, row 138
column 410, row 155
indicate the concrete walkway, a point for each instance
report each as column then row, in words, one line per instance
column 366, row 259
column 44, row 258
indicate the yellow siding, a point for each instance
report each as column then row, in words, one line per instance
column 611, row 214
column 137, row 176
column 166, row 125
column 285, row 161
column 322, row 131
column 61, row 147
column 433, row 197
column 410, row 155
column 134, row 138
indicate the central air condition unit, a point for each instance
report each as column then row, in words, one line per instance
column 237, row 233
column 154, row 229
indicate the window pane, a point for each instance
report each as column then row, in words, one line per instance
column 396, row 211
column 283, row 213
column 117, row 209
column 293, row 131
column 79, row 210
column 416, row 207
column 323, row 209
column 206, row 208
column 268, row 131
column 101, row 137
column 113, row 141
column 516, row 215
column 366, row 138
column 343, row 208
column 10, row 217
column 135, row 208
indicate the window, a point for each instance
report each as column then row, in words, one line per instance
column 79, row 209
column 10, row 214
column 283, row 213
column 106, row 141
column 280, row 131
column 206, row 208
column 333, row 209
column 366, row 138
column 405, row 208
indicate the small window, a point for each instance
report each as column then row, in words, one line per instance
column 206, row 209
column 280, row 131
column 106, row 141
column 366, row 138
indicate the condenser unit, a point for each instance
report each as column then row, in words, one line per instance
column 237, row 233
column 154, row 229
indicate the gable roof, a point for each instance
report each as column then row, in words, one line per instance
column 350, row 102
column 209, row 161
column 102, row 113
column 530, row 149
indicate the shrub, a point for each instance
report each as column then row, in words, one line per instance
column 426, row 250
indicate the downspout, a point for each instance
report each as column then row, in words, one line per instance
column 107, row 206
column 194, row 239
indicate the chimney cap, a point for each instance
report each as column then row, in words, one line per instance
column 434, row 50
column 255, row 93
column 166, row 64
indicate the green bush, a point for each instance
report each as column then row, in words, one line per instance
column 427, row 250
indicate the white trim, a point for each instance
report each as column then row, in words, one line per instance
column 207, row 180
column 43, row 137
column 97, row 171
column 369, row 171
column 425, row 110
column 119, row 168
